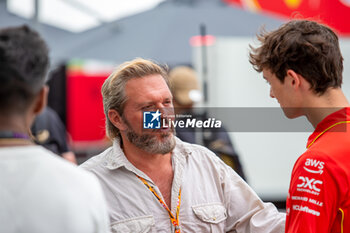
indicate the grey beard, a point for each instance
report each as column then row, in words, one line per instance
column 150, row 143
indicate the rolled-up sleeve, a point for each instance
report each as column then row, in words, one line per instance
column 246, row 211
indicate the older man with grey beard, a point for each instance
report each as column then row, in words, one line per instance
column 153, row 181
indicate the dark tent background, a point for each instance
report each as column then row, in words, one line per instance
column 163, row 33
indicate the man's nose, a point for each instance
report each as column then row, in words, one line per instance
column 166, row 111
column 271, row 93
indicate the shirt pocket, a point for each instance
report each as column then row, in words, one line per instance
column 213, row 214
column 142, row 224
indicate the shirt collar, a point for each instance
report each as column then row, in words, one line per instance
column 336, row 118
column 116, row 158
column 180, row 149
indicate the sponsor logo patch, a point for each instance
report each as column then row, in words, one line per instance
column 310, row 184
column 306, row 210
column 307, row 199
column 314, row 166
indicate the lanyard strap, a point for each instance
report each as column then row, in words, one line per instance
column 174, row 220
column 13, row 135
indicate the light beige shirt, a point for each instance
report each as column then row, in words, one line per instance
column 42, row 193
column 214, row 198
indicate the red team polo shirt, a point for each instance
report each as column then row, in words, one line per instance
column 319, row 193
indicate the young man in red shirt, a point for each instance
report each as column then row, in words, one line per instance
column 303, row 64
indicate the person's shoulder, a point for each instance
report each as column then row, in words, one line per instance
column 62, row 166
column 59, row 171
column 96, row 161
column 57, row 183
column 202, row 158
column 80, row 186
column 316, row 162
column 312, row 155
column 192, row 147
column 197, row 152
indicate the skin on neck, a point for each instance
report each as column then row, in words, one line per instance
column 318, row 107
column 21, row 122
column 15, row 123
column 297, row 90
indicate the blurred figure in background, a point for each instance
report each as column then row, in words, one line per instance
column 39, row 192
column 50, row 132
column 186, row 92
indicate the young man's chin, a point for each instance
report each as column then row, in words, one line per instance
column 292, row 113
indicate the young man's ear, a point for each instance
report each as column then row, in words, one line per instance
column 116, row 119
column 293, row 78
column 41, row 100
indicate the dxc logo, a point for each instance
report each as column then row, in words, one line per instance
column 309, row 183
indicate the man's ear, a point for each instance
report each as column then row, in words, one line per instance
column 41, row 100
column 116, row 119
column 293, row 78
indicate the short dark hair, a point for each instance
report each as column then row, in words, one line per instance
column 24, row 63
column 309, row 48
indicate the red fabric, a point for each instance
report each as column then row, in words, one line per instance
column 335, row 13
column 320, row 186
column 85, row 116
